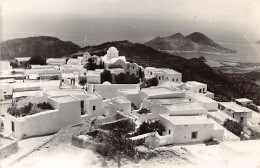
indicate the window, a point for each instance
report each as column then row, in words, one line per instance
column 173, row 79
column 203, row 89
column 82, row 104
column 241, row 119
column 151, row 73
column 177, row 79
column 194, row 135
column 13, row 126
column 159, row 77
column 200, row 91
column 94, row 108
column 169, row 131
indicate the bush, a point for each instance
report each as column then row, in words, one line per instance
column 106, row 76
column 28, row 109
column 123, row 78
column 82, row 80
column 37, row 60
column 233, row 126
column 144, row 111
column 147, row 127
column 150, row 82
column 211, row 141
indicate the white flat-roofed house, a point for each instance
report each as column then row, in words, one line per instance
column 74, row 61
column 119, row 104
column 5, row 68
column 22, row 61
column 172, row 85
column 183, row 109
column 43, row 74
column 166, row 74
column 243, row 101
column 71, row 75
column 149, row 72
column 158, row 92
column 130, row 94
column 197, row 87
column 41, row 66
column 108, row 91
column 240, row 113
column 204, row 101
column 188, row 129
column 93, row 77
column 91, row 104
column 56, row 61
column 66, row 111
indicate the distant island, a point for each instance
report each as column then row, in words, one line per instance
column 194, row 42
column 43, row 46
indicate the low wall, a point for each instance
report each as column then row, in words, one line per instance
column 8, row 150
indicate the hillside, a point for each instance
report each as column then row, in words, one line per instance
column 224, row 86
column 43, row 46
column 195, row 42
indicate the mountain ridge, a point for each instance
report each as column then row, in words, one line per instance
column 44, row 46
column 194, row 42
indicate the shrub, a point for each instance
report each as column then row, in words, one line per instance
column 123, row 78
column 82, row 80
column 149, row 82
column 233, row 126
column 144, row 111
column 113, row 66
column 37, row 60
column 106, row 76
column 147, row 127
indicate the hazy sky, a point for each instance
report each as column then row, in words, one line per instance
column 88, row 22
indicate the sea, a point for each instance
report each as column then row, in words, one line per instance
column 245, row 53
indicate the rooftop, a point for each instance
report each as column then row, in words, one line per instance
column 23, row 59
column 93, row 73
column 235, row 107
column 121, row 100
column 195, row 83
column 167, row 70
column 129, row 91
column 184, row 107
column 168, row 101
column 38, row 93
column 155, row 91
column 63, row 92
column 202, row 98
column 243, row 100
column 110, row 91
column 64, row 99
column 92, row 96
column 187, row 120
column 220, row 115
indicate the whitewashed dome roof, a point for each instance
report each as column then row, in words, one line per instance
column 112, row 49
column 106, row 83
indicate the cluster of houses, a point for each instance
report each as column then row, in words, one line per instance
column 187, row 110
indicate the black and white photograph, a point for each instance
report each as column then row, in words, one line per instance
column 130, row 83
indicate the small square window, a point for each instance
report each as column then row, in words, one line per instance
column 194, row 135
column 94, row 108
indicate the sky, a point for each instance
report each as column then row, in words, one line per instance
column 91, row 22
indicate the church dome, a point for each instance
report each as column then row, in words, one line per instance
column 106, row 83
column 112, row 49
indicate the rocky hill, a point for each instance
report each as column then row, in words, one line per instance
column 195, row 42
column 223, row 85
column 43, row 46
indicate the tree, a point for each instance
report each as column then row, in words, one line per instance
column 233, row 126
column 14, row 64
column 37, row 60
column 201, row 58
column 147, row 127
column 106, row 76
column 152, row 82
column 91, row 64
column 123, row 78
column 141, row 73
column 82, row 80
